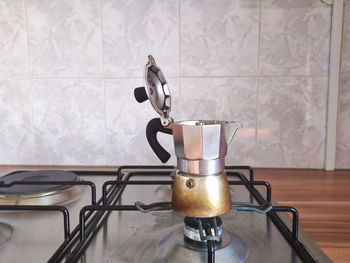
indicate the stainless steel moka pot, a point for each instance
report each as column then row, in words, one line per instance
column 200, row 186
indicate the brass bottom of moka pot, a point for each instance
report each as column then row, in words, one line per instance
column 201, row 195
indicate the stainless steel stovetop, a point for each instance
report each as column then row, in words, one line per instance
column 117, row 232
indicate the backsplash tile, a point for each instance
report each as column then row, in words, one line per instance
column 69, row 121
column 84, row 58
column 343, row 137
column 219, row 38
column 65, row 38
column 346, row 40
column 291, row 122
column 16, row 140
column 13, row 57
column 295, row 37
column 134, row 29
column 127, row 121
column 224, row 99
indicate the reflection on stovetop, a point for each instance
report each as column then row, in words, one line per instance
column 35, row 188
column 112, row 229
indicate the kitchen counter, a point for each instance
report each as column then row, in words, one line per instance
column 321, row 197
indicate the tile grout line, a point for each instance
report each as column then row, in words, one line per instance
column 175, row 77
column 29, row 83
column 256, row 76
column 104, row 87
column 257, row 88
column 27, row 39
column 180, row 68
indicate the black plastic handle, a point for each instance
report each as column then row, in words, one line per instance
column 153, row 127
column 140, row 94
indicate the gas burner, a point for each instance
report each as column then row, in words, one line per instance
column 6, row 231
column 203, row 229
column 39, row 194
column 38, row 176
column 175, row 247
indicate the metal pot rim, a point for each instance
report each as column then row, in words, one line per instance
column 200, row 122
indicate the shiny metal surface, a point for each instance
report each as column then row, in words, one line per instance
column 193, row 233
column 6, row 231
column 34, row 176
column 174, row 249
column 37, row 235
column 61, row 196
column 158, row 91
column 201, row 146
column 201, row 166
column 206, row 140
column 131, row 236
column 201, row 195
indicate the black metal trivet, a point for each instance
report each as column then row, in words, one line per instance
column 92, row 217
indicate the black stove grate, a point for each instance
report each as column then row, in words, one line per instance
column 92, row 217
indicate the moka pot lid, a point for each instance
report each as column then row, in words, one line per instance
column 158, row 91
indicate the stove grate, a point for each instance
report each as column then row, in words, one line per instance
column 92, row 217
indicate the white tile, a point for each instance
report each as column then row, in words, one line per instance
column 69, row 122
column 224, row 99
column 127, row 121
column 65, row 38
column 16, row 140
column 133, row 30
column 346, row 40
column 13, row 57
column 219, row 37
column 292, row 122
column 343, row 130
column 295, row 37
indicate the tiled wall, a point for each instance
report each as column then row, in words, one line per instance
column 68, row 69
column 343, row 131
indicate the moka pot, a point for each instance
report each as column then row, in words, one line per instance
column 200, row 186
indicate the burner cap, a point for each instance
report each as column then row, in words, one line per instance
column 40, row 175
column 191, row 221
column 192, row 232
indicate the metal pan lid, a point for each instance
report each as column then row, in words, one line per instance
column 158, row 91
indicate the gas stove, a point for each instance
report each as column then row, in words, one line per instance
column 133, row 220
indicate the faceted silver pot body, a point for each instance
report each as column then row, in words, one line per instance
column 201, row 146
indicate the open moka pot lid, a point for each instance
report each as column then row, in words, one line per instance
column 157, row 91
column 202, row 140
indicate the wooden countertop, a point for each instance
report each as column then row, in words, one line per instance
column 322, row 199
